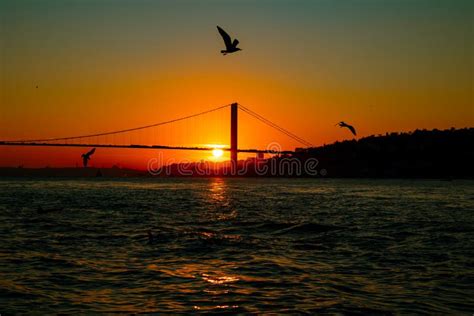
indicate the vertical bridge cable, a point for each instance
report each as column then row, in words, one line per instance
column 275, row 126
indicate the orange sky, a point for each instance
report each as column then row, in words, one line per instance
column 99, row 67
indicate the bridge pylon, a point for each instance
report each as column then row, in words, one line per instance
column 233, row 135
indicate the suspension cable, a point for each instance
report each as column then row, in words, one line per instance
column 123, row 130
column 243, row 108
column 275, row 126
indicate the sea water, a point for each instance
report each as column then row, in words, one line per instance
column 236, row 245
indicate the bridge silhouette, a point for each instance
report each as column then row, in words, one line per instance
column 77, row 141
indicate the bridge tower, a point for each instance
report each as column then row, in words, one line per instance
column 233, row 135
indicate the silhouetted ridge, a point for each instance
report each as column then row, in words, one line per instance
column 422, row 153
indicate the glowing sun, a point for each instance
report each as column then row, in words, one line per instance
column 217, row 153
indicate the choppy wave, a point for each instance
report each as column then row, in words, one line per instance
column 236, row 246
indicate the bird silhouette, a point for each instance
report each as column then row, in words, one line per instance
column 87, row 156
column 230, row 46
column 350, row 127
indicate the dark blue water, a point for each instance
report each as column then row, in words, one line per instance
column 236, row 245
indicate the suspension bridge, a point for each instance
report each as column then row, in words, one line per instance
column 91, row 140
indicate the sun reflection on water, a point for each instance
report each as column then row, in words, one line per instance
column 217, row 190
column 218, row 197
column 215, row 279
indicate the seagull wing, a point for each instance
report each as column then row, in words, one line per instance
column 91, row 152
column 225, row 37
column 235, row 42
column 353, row 130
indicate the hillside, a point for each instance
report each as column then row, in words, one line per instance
column 422, row 153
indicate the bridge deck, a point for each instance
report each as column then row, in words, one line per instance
column 6, row 143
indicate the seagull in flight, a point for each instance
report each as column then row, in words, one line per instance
column 87, row 156
column 230, row 46
column 350, row 127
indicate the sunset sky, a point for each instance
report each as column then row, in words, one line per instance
column 106, row 65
